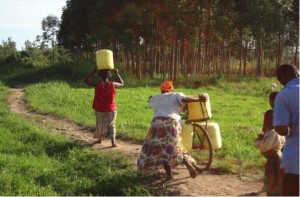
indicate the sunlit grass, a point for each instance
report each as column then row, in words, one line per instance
column 237, row 106
column 34, row 162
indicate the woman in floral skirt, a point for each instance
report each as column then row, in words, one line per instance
column 163, row 146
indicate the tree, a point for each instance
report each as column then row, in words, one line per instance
column 9, row 55
column 173, row 38
column 50, row 26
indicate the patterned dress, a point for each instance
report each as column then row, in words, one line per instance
column 162, row 146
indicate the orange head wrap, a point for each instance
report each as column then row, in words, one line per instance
column 166, row 86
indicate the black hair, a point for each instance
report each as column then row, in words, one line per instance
column 104, row 74
column 287, row 70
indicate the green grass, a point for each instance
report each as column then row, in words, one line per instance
column 237, row 106
column 35, row 162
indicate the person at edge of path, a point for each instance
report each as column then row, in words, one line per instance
column 286, row 123
column 163, row 146
column 104, row 103
column 270, row 145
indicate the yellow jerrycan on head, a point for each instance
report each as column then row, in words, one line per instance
column 104, row 59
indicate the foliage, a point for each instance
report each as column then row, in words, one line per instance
column 176, row 38
column 9, row 57
column 50, row 26
column 168, row 39
column 35, row 54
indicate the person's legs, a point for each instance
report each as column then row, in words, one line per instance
column 168, row 171
column 113, row 143
column 290, row 184
column 273, row 178
column 190, row 168
column 97, row 134
column 112, row 128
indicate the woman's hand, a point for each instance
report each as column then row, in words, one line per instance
column 203, row 97
column 260, row 136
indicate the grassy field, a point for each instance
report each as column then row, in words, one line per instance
column 237, row 107
column 34, row 162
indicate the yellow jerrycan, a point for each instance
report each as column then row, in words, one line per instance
column 104, row 59
column 187, row 136
column 199, row 111
column 213, row 130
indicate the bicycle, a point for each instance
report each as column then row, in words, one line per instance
column 201, row 148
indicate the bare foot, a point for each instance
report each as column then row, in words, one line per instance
column 199, row 170
column 193, row 173
column 169, row 178
column 97, row 142
column 191, row 169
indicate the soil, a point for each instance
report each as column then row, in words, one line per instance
column 209, row 183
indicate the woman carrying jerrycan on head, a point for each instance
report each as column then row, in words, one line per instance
column 104, row 102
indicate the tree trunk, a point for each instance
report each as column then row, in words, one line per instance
column 245, row 58
column 138, row 66
column 172, row 56
column 296, row 60
column 176, row 71
column 162, row 59
column 259, row 50
column 279, row 50
column 241, row 52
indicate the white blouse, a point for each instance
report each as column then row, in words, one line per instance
column 167, row 105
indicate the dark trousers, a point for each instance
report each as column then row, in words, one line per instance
column 290, row 184
column 273, row 177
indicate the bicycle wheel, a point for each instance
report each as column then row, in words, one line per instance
column 202, row 150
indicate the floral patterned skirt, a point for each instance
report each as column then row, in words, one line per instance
column 162, row 146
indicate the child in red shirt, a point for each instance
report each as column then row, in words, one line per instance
column 104, row 103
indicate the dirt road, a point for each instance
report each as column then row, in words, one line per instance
column 206, row 184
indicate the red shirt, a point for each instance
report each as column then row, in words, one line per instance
column 104, row 98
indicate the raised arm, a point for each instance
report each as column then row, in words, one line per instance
column 201, row 98
column 120, row 82
column 88, row 79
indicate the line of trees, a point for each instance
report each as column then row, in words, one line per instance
column 36, row 54
column 171, row 38
column 41, row 53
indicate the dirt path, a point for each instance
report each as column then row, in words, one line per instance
column 205, row 184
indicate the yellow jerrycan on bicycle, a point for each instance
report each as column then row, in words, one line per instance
column 200, row 112
column 213, row 130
